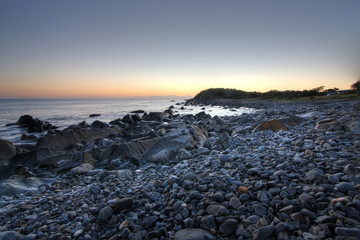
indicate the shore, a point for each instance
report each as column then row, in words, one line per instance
column 288, row 171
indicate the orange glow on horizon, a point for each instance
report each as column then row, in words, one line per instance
column 157, row 86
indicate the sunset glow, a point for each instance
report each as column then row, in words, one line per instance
column 124, row 49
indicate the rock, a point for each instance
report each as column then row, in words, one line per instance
column 226, row 141
column 131, row 118
column 163, row 156
column 76, row 160
column 105, row 213
column 11, row 235
column 25, row 120
column 172, row 141
column 350, row 169
column 7, row 151
column 28, row 137
column 217, row 210
column 184, row 154
column 353, row 126
column 193, row 234
column 99, row 125
column 18, row 184
column 83, row 168
column 263, row 233
column 345, row 187
column 218, row 197
column 123, row 204
column 138, row 111
column 66, row 138
column 348, row 232
column 314, row 174
column 150, row 221
column 34, row 124
column 274, row 125
column 329, row 123
column 132, row 150
column 95, row 115
column 234, row 202
column 155, row 116
column 229, row 226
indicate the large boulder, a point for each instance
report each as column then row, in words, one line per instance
column 132, row 150
column 173, row 141
column 34, row 124
column 7, row 150
column 274, row 125
column 66, row 138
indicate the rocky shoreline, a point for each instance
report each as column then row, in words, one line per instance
column 288, row 171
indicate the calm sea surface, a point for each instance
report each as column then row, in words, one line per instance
column 65, row 112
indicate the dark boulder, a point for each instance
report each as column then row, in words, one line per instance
column 155, row 116
column 34, row 124
column 95, row 115
column 66, row 138
column 99, row 124
column 7, row 150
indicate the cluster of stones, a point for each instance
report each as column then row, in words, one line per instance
column 281, row 173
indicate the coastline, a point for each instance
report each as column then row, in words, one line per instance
column 290, row 170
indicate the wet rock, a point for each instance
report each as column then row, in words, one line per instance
column 94, row 115
column 7, row 150
column 34, row 124
column 66, row 138
column 193, row 234
column 155, row 116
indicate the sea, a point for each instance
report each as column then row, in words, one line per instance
column 65, row 112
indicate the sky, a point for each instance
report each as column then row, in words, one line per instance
column 85, row 48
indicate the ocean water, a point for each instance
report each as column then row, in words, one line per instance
column 65, row 112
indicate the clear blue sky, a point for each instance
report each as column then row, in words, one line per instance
column 138, row 48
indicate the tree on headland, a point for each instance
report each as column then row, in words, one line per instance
column 356, row 86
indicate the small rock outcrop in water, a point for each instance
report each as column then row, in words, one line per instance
column 34, row 124
column 288, row 171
